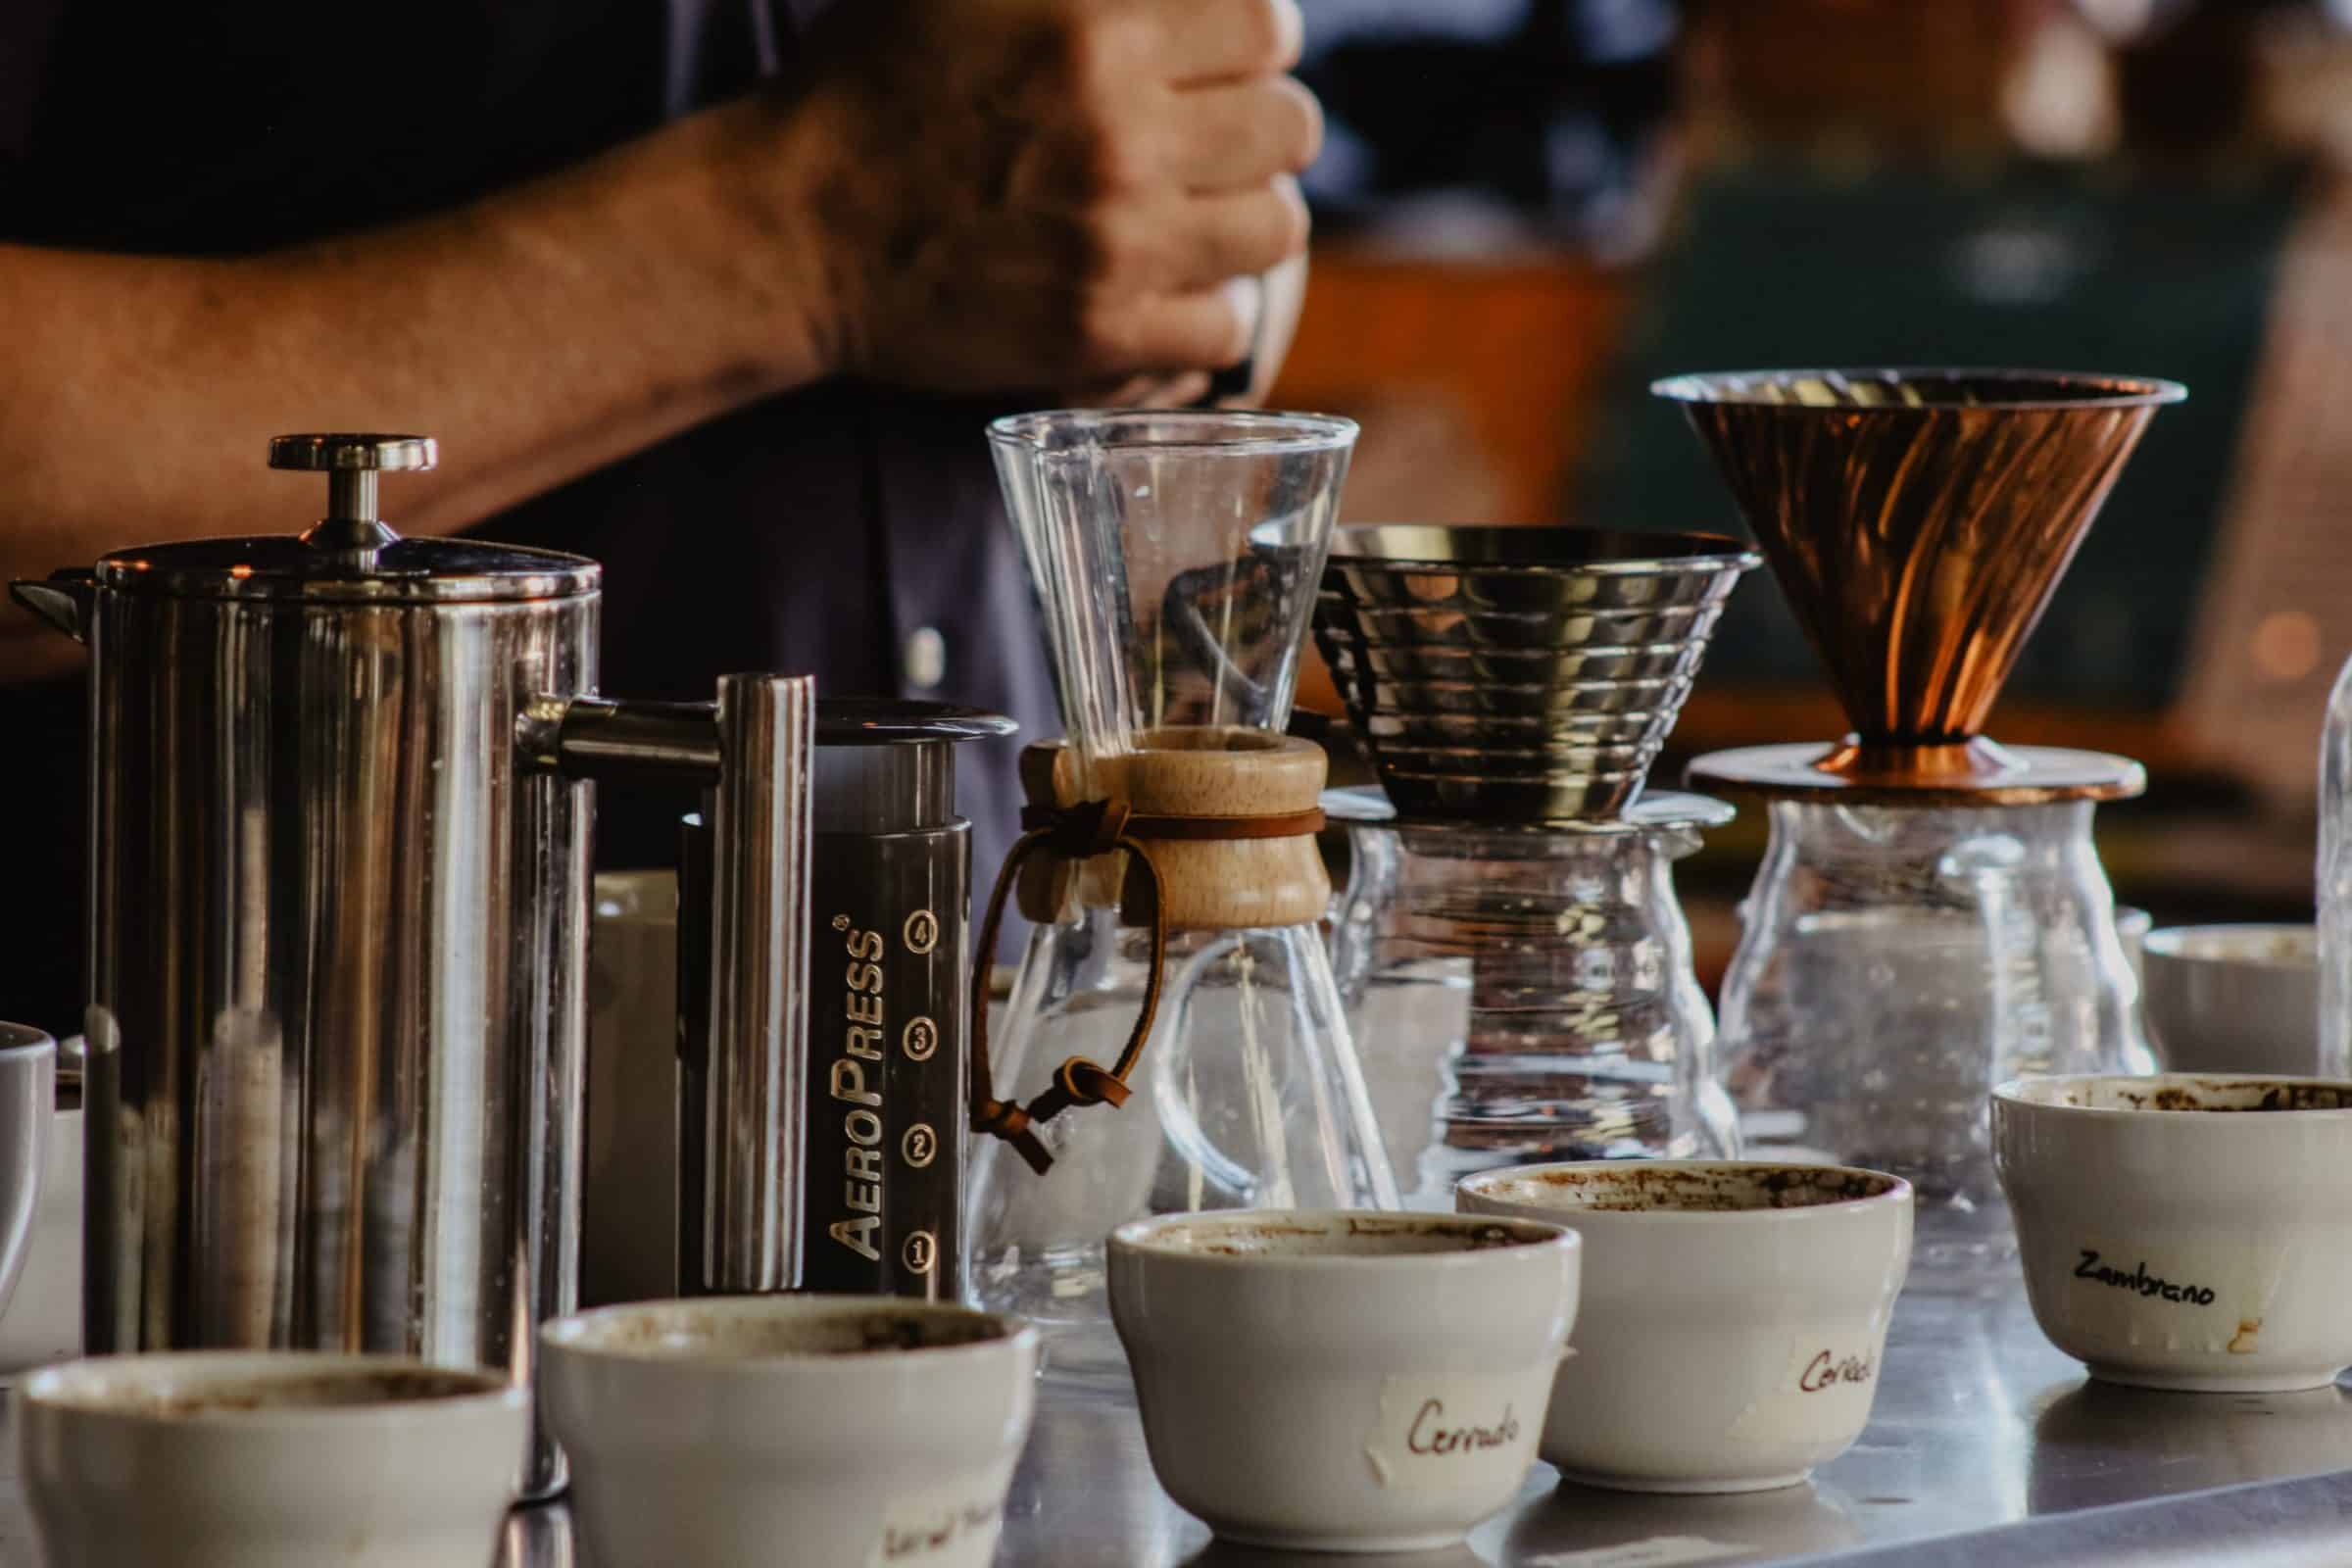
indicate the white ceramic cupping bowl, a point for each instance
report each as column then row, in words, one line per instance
column 1734, row 1318
column 28, row 1105
column 834, row 1432
column 277, row 1459
column 2233, row 998
column 1342, row 1380
column 2185, row 1230
column 41, row 1323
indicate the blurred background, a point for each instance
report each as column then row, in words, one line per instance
column 1529, row 209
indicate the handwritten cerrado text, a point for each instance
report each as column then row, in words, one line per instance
column 1431, row 1434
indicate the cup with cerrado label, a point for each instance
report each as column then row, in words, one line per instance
column 2185, row 1231
column 1734, row 1318
column 1343, row 1380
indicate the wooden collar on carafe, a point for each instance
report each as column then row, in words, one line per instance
column 1187, row 868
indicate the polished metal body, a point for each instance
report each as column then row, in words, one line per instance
column 337, row 951
column 758, row 1025
column 340, row 870
column 1518, row 674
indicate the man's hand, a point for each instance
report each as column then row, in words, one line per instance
column 1047, row 193
column 1004, row 196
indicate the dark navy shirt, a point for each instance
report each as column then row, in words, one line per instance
column 834, row 531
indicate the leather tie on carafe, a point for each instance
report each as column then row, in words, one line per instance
column 1084, row 831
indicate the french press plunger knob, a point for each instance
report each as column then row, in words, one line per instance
column 351, row 463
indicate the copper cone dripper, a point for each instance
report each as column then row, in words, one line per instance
column 1918, row 521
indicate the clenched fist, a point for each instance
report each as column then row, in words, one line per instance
column 1018, row 194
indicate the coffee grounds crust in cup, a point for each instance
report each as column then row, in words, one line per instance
column 1636, row 1187
column 2181, row 1093
column 309, row 1393
column 1353, row 1236
column 719, row 1331
column 135, row 1388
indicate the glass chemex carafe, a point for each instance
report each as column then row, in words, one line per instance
column 1930, row 918
column 1510, row 942
column 1171, row 870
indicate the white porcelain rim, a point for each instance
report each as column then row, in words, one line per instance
column 1896, row 1195
column 490, row 1391
column 2014, row 1093
column 565, row 1335
column 1138, row 1238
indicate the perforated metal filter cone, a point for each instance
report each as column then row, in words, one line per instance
column 1518, row 674
column 1918, row 521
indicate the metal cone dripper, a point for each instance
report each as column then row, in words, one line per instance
column 1918, row 522
column 1510, row 929
column 1519, row 674
column 1176, row 970
column 1930, row 918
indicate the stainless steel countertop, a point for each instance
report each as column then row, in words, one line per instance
column 1987, row 1445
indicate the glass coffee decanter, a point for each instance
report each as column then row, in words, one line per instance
column 1898, row 963
column 1522, row 994
column 1519, row 967
column 1175, row 557
column 1930, row 918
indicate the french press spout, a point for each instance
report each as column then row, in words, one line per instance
column 339, row 848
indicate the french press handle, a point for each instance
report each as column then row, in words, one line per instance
column 751, row 750
column 351, row 463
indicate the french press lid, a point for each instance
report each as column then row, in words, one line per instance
column 351, row 555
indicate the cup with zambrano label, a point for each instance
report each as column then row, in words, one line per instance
column 2185, row 1231
column 1734, row 1319
column 1343, row 1380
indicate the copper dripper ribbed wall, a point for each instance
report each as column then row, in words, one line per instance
column 1918, row 521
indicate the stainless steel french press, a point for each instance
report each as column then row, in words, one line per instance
column 339, row 872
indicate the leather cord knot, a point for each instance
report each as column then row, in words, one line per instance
column 1081, row 832
column 1077, row 832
